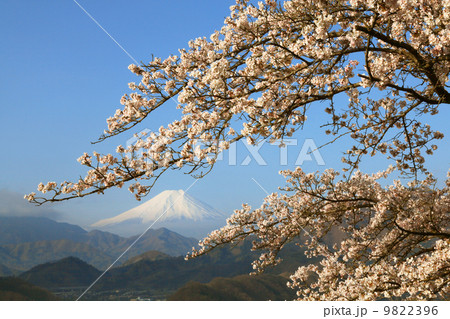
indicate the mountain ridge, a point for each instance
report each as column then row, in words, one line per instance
column 96, row 247
column 66, row 272
column 22, row 229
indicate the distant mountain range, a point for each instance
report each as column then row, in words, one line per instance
column 28, row 241
column 152, row 271
column 26, row 255
column 175, row 210
column 17, row 230
column 66, row 259
column 171, row 273
column 157, row 273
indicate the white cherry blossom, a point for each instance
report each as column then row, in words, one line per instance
column 259, row 77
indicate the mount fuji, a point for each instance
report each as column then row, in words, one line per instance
column 175, row 210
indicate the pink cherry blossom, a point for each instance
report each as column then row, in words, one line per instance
column 259, row 77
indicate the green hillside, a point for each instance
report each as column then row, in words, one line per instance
column 67, row 272
column 149, row 255
column 239, row 288
column 16, row 289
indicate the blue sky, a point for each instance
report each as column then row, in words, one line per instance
column 62, row 76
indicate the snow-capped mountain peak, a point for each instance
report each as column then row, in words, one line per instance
column 170, row 206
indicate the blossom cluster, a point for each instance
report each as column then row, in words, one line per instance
column 392, row 242
column 265, row 69
column 259, row 77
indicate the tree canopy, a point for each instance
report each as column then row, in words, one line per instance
column 259, row 77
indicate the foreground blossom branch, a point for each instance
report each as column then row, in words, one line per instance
column 264, row 71
column 376, row 70
column 394, row 241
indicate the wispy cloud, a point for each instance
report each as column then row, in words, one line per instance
column 13, row 204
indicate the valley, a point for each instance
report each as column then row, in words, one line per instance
column 63, row 259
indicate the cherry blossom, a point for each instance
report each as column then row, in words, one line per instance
column 394, row 241
column 259, row 77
